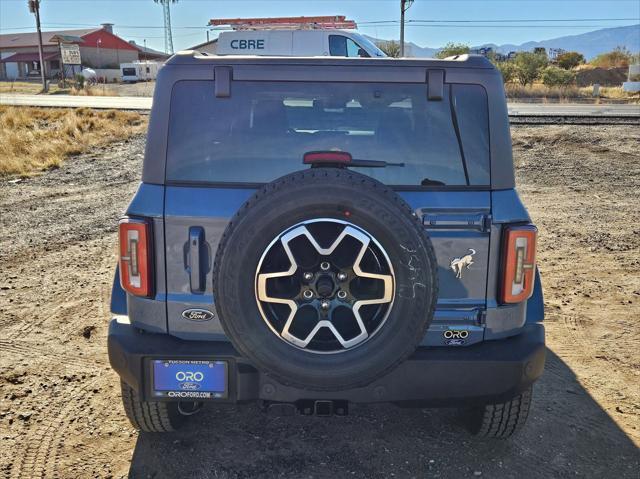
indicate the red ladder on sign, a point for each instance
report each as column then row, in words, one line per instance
column 293, row 23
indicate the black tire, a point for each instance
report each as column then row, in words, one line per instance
column 342, row 195
column 150, row 416
column 502, row 420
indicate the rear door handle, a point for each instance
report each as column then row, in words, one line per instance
column 196, row 243
column 456, row 221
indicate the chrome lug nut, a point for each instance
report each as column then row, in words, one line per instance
column 324, row 266
column 307, row 276
column 342, row 276
column 342, row 294
column 308, row 294
column 325, row 305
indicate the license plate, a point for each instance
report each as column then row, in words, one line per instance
column 184, row 379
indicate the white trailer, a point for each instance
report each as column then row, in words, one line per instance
column 139, row 71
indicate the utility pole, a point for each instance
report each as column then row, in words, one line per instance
column 34, row 7
column 404, row 6
column 168, row 39
column 61, row 64
column 98, row 43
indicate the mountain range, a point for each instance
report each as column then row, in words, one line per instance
column 590, row 44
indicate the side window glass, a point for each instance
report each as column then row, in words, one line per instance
column 353, row 49
column 337, row 46
column 470, row 103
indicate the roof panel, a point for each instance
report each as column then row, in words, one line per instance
column 29, row 57
column 21, row 40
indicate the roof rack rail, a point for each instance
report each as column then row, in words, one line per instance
column 286, row 23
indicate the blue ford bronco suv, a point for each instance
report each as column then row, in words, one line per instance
column 312, row 233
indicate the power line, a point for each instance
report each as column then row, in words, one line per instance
column 254, row 1
column 439, row 23
column 506, row 21
column 372, row 22
column 536, row 20
column 491, row 26
column 162, row 36
column 501, row 20
column 89, row 25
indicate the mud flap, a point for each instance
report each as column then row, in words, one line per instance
column 118, row 295
column 535, row 304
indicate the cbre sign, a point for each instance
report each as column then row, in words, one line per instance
column 70, row 54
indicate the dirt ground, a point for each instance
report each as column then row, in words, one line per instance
column 60, row 411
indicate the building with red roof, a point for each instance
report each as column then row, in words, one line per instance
column 99, row 48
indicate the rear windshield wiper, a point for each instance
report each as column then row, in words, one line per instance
column 341, row 159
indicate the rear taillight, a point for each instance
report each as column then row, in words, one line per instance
column 327, row 158
column 518, row 263
column 135, row 256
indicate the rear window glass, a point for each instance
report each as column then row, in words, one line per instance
column 263, row 129
column 129, row 71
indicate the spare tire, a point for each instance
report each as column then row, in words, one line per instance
column 325, row 279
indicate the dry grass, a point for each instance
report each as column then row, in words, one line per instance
column 613, row 92
column 25, row 88
column 538, row 90
column 565, row 94
column 35, row 139
column 95, row 90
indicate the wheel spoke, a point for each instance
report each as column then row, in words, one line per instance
column 386, row 297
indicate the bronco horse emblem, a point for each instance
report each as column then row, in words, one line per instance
column 457, row 264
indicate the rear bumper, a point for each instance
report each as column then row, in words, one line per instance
column 489, row 372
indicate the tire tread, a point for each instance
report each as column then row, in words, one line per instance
column 501, row 420
column 148, row 416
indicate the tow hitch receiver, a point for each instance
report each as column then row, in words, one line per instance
column 309, row 407
column 323, row 408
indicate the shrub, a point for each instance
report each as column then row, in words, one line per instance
column 79, row 81
column 570, row 60
column 620, row 57
column 452, row 49
column 508, row 71
column 555, row 76
column 528, row 66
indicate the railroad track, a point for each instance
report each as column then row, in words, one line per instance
column 520, row 119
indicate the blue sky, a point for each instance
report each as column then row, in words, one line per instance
column 141, row 19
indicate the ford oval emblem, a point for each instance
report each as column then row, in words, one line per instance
column 190, row 386
column 197, row 315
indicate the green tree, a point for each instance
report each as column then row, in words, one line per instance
column 391, row 48
column 528, row 66
column 619, row 57
column 452, row 49
column 555, row 76
column 507, row 69
column 570, row 60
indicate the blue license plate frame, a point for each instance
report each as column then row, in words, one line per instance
column 189, row 379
